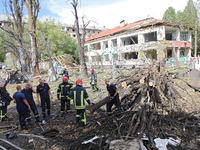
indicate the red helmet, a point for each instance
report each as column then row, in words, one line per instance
column 92, row 69
column 79, row 81
column 65, row 78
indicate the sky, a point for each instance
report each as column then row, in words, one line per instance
column 106, row 13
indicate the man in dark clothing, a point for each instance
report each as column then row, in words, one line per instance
column 5, row 100
column 28, row 92
column 65, row 72
column 64, row 88
column 43, row 90
column 78, row 94
column 22, row 107
column 94, row 80
column 113, row 92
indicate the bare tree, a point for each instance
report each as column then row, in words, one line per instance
column 80, row 43
column 33, row 10
column 16, row 9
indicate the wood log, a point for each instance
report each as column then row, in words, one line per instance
column 99, row 104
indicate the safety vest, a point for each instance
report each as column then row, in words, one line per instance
column 78, row 94
column 64, row 89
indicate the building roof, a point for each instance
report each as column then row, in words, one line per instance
column 87, row 28
column 9, row 18
column 134, row 25
column 4, row 18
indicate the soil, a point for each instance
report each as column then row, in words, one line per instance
column 71, row 135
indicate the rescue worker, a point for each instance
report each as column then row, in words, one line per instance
column 113, row 92
column 64, row 88
column 78, row 94
column 4, row 100
column 22, row 107
column 94, row 80
column 28, row 92
column 65, row 72
column 43, row 90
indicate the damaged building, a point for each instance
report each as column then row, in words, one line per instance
column 138, row 42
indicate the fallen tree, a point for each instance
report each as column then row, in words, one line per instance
column 153, row 110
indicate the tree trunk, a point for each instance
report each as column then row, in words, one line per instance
column 22, row 59
column 33, row 9
column 80, row 47
column 174, row 52
column 34, row 57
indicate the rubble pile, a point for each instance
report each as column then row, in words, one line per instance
column 152, row 110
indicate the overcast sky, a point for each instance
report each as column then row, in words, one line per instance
column 107, row 13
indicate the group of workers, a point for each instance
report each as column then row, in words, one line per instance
column 65, row 92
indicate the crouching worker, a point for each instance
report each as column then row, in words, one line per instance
column 113, row 92
column 78, row 94
column 22, row 107
column 28, row 92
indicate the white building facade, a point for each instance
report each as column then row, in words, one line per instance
column 134, row 43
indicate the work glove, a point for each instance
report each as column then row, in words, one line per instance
column 88, row 101
column 2, row 104
column 111, row 97
column 58, row 96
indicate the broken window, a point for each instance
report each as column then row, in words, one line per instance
column 96, row 46
column 114, row 43
column 68, row 30
column 105, row 44
column 184, row 36
column 132, row 55
column 150, row 37
column 169, row 53
column 168, row 36
column 107, row 57
column 73, row 30
column 130, row 40
column 182, row 52
column 74, row 35
column 134, row 40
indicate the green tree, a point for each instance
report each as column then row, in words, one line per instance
column 170, row 15
column 189, row 15
column 60, row 43
column 2, row 56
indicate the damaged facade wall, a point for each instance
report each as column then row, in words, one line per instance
column 151, row 42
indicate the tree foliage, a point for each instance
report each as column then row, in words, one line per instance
column 170, row 15
column 187, row 18
column 60, row 43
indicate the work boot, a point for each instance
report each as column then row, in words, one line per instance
column 29, row 122
column 24, row 126
column 84, row 125
column 63, row 115
column 38, row 119
column 68, row 113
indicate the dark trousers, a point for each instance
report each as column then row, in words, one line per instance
column 22, row 116
column 117, row 103
column 81, row 114
column 3, row 110
column 33, row 108
column 45, row 103
column 63, row 102
column 94, row 86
